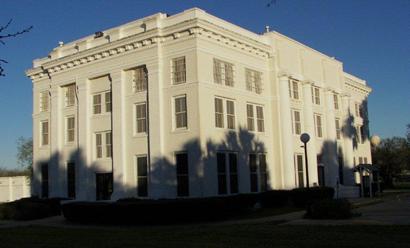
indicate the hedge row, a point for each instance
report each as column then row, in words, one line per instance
column 330, row 209
column 158, row 211
column 30, row 208
column 132, row 210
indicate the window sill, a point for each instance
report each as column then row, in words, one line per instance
column 180, row 130
column 140, row 135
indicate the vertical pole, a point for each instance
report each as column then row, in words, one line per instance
column 307, row 166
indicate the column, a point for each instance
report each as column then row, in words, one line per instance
column 286, row 134
column 85, row 181
column 56, row 132
column 347, row 123
column 118, row 134
column 309, row 127
column 330, row 144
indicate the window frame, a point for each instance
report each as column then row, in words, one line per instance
column 318, row 120
column 141, row 84
column 70, row 130
column 178, row 77
column 228, row 177
column 182, row 190
column 138, row 120
column 141, row 179
column 223, row 73
column 183, row 112
column 259, row 179
column 299, row 170
column 44, row 101
column 70, row 95
column 253, row 80
column 296, row 125
column 43, row 141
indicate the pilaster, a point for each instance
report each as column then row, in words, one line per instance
column 286, row 134
column 330, row 144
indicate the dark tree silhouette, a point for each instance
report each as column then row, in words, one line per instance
column 4, row 35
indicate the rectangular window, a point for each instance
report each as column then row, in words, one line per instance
column 357, row 109
column 363, row 135
column 178, row 70
column 299, row 171
column 260, row 119
column 69, row 95
column 44, row 133
column 358, row 134
column 44, row 101
column 294, row 90
column 141, row 117
column 181, row 112
column 223, row 73
column 318, row 125
column 336, row 101
column 71, row 180
column 253, row 80
column 98, row 145
column 70, row 125
column 230, row 114
column 108, row 145
column 341, row 169
column 253, row 172
column 142, row 176
column 315, row 95
column 97, row 104
column 297, row 124
column 222, row 181
column 44, row 180
column 108, row 102
column 227, row 176
column 365, row 160
column 360, row 160
column 104, row 186
column 219, row 113
column 233, row 173
column 338, row 129
column 250, row 117
column 182, row 174
column 139, row 79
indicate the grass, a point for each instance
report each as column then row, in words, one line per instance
column 267, row 212
column 248, row 235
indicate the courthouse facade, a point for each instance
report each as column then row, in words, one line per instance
column 190, row 105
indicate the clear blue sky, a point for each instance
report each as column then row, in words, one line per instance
column 371, row 38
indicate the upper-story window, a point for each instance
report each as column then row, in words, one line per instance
column 318, row 125
column 223, row 72
column 70, row 129
column 44, row 133
column 338, row 128
column 69, row 92
column 98, row 99
column 253, row 80
column 103, row 140
column 336, row 101
column 316, row 95
column 178, row 70
column 181, row 120
column 44, row 101
column 294, row 90
column 296, row 122
column 260, row 122
column 141, row 117
column 220, row 115
column 139, row 79
column 357, row 109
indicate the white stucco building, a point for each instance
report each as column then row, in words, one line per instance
column 192, row 105
column 14, row 187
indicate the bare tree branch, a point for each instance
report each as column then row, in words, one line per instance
column 9, row 35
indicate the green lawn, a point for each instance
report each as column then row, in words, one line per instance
column 249, row 235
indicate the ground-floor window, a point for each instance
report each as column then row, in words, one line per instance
column 142, row 176
column 44, row 180
column 299, row 172
column 258, row 172
column 227, row 165
column 104, row 186
column 71, row 180
column 320, row 170
column 182, row 174
column 341, row 168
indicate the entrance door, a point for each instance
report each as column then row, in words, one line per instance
column 321, row 175
column 104, row 186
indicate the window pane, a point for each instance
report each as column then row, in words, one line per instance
column 253, row 173
column 250, row 120
column 71, row 180
column 179, row 70
column 142, row 176
column 263, row 172
column 233, row 171
column 219, row 115
column 97, row 104
column 230, row 109
column 180, row 112
column 108, row 105
column 221, row 164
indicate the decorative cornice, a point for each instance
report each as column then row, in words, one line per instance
column 120, row 47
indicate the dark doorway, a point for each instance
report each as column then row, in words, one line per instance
column 321, row 175
column 44, row 180
column 71, row 180
column 104, row 186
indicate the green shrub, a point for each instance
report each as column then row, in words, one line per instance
column 303, row 197
column 330, row 209
column 30, row 208
column 137, row 211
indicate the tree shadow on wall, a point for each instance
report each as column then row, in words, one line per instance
column 162, row 176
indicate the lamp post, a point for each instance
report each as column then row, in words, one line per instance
column 305, row 139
